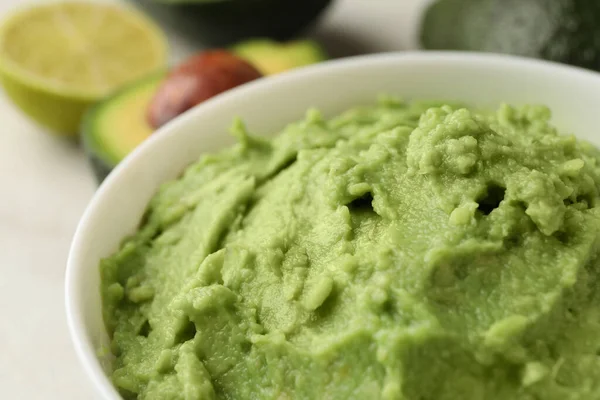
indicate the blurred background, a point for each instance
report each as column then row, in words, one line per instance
column 84, row 82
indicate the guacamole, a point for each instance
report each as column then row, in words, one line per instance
column 402, row 250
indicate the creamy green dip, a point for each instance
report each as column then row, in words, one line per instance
column 396, row 251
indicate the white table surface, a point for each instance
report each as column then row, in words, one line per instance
column 45, row 184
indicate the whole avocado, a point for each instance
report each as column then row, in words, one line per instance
column 224, row 22
column 565, row 31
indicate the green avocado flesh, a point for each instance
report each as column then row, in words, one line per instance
column 565, row 31
column 116, row 126
column 271, row 57
column 403, row 250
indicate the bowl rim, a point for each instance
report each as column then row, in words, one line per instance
column 85, row 352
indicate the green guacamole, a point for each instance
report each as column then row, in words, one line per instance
column 403, row 250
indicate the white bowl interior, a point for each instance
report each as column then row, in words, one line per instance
column 266, row 106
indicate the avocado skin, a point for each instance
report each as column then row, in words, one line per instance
column 222, row 23
column 564, row 31
column 99, row 168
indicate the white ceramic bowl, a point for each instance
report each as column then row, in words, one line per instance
column 267, row 105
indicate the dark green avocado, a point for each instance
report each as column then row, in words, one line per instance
column 114, row 127
column 565, row 31
column 223, row 22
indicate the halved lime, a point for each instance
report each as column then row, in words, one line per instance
column 57, row 59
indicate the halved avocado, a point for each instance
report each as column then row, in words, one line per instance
column 114, row 127
column 565, row 31
column 272, row 57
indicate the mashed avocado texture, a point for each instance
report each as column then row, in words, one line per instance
column 410, row 251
